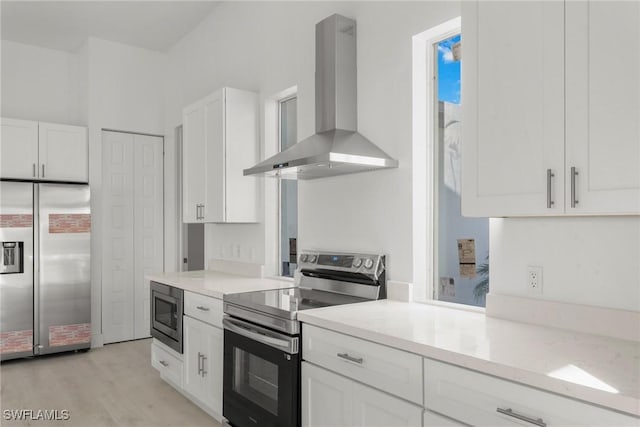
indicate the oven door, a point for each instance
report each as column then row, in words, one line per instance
column 166, row 315
column 261, row 376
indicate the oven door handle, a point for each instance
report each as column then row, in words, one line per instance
column 261, row 335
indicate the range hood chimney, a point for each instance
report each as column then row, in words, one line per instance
column 336, row 148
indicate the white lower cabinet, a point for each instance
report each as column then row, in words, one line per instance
column 331, row 400
column 431, row 419
column 167, row 362
column 203, row 354
column 482, row 400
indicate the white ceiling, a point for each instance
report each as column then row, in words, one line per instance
column 65, row 25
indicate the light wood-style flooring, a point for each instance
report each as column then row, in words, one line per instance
column 110, row 386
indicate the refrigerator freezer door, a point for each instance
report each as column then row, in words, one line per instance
column 16, row 288
column 64, row 286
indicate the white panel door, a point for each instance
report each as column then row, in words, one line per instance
column 117, row 234
column 215, row 147
column 513, row 105
column 241, row 136
column 148, row 239
column 203, row 354
column 63, row 152
column 603, row 106
column 327, row 398
column 19, row 149
column 193, row 163
column 373, row 408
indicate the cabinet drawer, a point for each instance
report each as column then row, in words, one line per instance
column 201, row 307
column 475, row 398
column 394, row 371
column 168, row 364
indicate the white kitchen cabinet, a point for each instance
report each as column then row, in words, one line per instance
column 482, row 400
column 513, row 107
column 44, row 151
column 330, row 400
column 431, row 419
column 603, row 106
column 19, row 149
column 220, row 140
column 524, row 70
column 203, row 355
column 193, row 163
column 167, row 362
column 63, row 152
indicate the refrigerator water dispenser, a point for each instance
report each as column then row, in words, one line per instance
column 11, row 258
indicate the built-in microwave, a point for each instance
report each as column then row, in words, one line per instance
column 166, row 315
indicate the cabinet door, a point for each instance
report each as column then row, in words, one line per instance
column 19, row 152
column 63, row 153
column 431, row 419
column 241, row 133
column 203, row 355
column 215, row 171
column 193, row 163
column 603, row 106
column 513, row 107
column 373, row 408
column 326, row 398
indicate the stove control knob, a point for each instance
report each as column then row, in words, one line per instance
column 368, row 263
column 312, row 258
column 357, row 263
column 303, row 258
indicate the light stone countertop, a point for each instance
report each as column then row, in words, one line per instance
column 596, row 369
column 216, row 284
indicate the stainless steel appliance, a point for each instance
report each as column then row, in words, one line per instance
column 262, row 334
column 45, row 283
column 337, row 147
column 167, row 305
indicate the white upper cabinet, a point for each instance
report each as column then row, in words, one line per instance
column 543, row 99
column 19, row 158
column 44, row 151
column 603, row 106
column 220, row 140
column 193, row 163
column 513, row 107
column 63, row 152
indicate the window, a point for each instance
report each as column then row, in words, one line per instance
column 287, row 134
column 462, row 251
column 450, row 251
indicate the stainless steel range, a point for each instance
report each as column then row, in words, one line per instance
column 262, row 334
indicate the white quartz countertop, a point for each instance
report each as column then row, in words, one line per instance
column 217, row 284
column 596, row 369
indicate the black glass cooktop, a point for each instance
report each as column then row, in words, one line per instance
column 286, row 302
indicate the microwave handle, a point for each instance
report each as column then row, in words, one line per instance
column 256, row 333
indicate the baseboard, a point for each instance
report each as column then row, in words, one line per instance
column 622, row 324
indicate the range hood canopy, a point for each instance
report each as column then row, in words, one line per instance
column 336, row 148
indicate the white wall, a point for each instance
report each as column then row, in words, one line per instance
column 40, row 84
column 268, row 47
column 586, row 260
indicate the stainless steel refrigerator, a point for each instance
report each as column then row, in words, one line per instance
column 45, row 282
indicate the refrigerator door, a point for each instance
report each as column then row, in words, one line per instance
column 16, row 271
column 64, row 282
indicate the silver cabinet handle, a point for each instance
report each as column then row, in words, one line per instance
column 200, row 368
column 197, row 211
column 509, row 412
column 574, row 174
column 202, row 214
column 34, row 170
column 43, row 170
column 346, row 356
column 203, row 308
column 550, row 201
column 163, row 363
column 204, row 372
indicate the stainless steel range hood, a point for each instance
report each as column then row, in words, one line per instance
column 336, row 148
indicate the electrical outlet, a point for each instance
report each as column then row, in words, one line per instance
column 534, row 278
